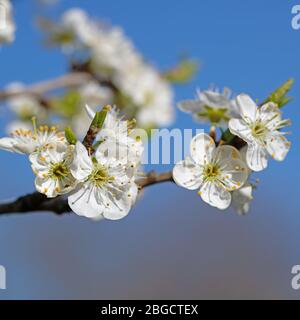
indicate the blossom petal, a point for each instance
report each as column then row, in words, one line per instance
column 117, row 207
column 277, row 146
column 215, row 195
column 90, row 112
column 190, row 106
column 82, row 164
column 187, row 174
column 257, row 157
column 247, row 107
column 83, row 202
column 201, row 148
column 241, row 199
column 240, row 128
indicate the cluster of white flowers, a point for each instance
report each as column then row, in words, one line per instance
column 221, row 173
column 99, row 183
column 7, row 25
column 113, row 55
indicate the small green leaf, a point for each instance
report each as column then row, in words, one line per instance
column 68, row 105
column 70, row 135
column 100, row 116
column 183, row 72
column 279, row 96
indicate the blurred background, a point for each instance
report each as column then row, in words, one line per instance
column 171, row 245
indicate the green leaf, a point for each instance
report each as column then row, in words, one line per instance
column 279, row 96
column 68, row 105
column 100, row 116
column 70, row 135
column 183, row 72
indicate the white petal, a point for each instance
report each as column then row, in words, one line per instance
column 117, row 207
column 201, row 148
column 91, row 113
column 214, row 99
column 190, row 106
column 240, row 128
column 46, row 186
column 215, row 195
column 277, row 146
column 241, row 199
column 257, row 157
column 187, row 174
column 83, row 202
column 8, row 144
column 247, row 107
column 82, row 164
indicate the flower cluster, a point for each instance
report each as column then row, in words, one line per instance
column 7, row 25
column 221, row 172
column 138, row 87
column 99, row 179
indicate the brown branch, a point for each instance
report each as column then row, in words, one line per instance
column 37, row 202
column 72, row 79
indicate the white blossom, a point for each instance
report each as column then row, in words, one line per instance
column 52, row 168
column 150, row 93
column 215, row 171
column 28, row 141
column 118, row 138
column 23, row 105
column 211, row 106
column 106, row 187
column 7, row 25
column 260, row 128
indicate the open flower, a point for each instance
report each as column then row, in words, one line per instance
column 259, row 127
column 118, row 139
column 52, row 169
column 27, row 141
column 211, row 107
column 106, row 189
column 215, row 171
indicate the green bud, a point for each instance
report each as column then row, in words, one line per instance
column 70, row 135
column 183, row 72
column 100, row 116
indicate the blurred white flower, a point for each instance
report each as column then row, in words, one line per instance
column 52, row 169
column 259, row 127
column 211, row 106
column 214, row 171
column 106, row 189
column 28, row 141
column 7, row 25
column 94, row 95
column 24, row 106
column 150, row 93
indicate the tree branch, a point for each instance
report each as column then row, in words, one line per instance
column 72, row 79
column 37, row 202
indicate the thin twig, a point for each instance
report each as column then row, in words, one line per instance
column 37, row 202
column 72, row 79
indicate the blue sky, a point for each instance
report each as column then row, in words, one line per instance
column 248, row 46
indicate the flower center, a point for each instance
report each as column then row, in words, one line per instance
column 214, row 115
column 211, row 172
column 259, row 129
column 59, row 171
column 100, row 176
